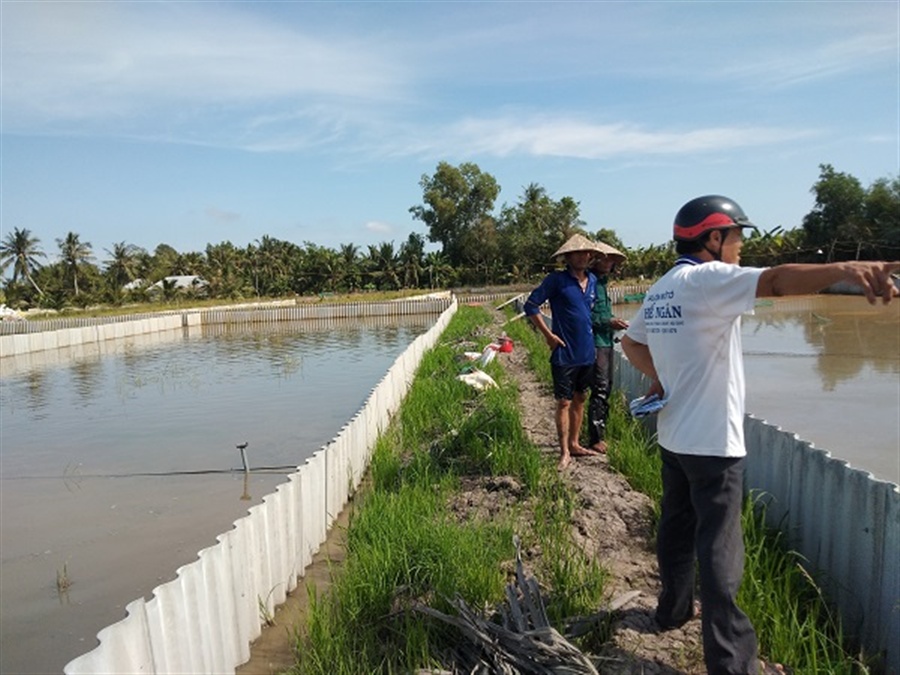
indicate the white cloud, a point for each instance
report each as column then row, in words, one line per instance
column 371, row 81
column 788, row 67
column 378, row 227
column 109, row 60
column 544, row 136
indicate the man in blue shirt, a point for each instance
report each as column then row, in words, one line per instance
column 571, row 293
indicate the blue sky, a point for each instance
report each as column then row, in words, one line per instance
column 189, row 123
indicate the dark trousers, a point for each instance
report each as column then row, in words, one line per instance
column 701, row 520
column 598, row 406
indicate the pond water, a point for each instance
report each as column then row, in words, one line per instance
column 827, row 367
column 118, row 467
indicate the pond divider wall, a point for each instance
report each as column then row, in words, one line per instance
column 843, row 521
column 204, row 620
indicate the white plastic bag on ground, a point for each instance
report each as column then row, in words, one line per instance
column 478, row 379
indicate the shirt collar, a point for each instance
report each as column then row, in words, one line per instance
column 689, row 260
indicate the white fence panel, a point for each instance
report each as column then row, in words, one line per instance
column 126, row 645
column 844, row 522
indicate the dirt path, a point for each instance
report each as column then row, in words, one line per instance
column 612, row 524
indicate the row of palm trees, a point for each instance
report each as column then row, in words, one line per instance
column 266, row 268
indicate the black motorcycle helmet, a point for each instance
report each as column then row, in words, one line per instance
column 712, row 212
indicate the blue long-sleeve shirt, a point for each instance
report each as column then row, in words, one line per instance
column 571, row 308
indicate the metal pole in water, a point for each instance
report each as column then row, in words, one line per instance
column 243, row 448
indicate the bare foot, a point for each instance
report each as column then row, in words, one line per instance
column 564, row 461
column 600, row 447
column 578, row 451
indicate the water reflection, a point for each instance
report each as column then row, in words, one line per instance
column 851, row 340
column 86, row 378
column 35, row 396
column 844, row 333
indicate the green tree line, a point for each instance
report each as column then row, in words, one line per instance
column 479, row 245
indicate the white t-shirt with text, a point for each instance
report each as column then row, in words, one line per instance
column 691, row 321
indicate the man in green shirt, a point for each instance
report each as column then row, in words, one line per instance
column 604, row 325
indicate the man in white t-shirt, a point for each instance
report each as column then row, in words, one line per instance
column 687, row 339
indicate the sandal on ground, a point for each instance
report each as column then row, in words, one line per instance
column 766, row 668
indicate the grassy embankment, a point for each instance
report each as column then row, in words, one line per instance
column 406, row 545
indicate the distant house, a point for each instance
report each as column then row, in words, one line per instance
column 134, row 285
column 187, row 282
column 181, row 283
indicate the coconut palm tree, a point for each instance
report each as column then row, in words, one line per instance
column 411, row 259
column 122, row 265
column 74, row 254
column 382, row 266
column 224, row 267
column 272, row 260
column 350, row 270
column 323, row 267
column 21, row 250
column 191, row 263
column 438, row 268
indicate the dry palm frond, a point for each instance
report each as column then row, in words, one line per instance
column 524, row 642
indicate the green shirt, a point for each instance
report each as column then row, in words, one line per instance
column 601, row 314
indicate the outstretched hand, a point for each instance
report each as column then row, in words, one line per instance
column 876, row 279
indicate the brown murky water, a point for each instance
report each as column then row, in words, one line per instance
column 827, row 368
column 120, row 467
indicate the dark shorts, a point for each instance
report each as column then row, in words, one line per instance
column 568, row 380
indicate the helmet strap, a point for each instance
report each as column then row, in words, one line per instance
column 717, row 255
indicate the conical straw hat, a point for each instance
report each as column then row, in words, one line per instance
column 577, row 242
column 608, row 250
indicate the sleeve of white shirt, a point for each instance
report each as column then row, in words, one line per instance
column 729, row 290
